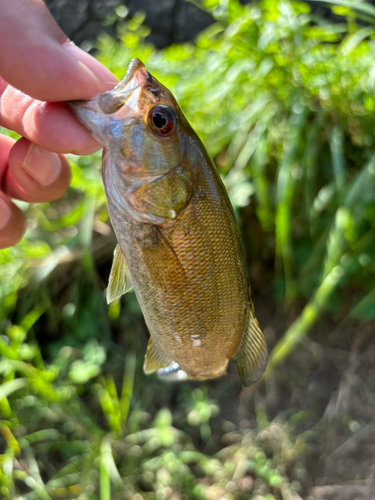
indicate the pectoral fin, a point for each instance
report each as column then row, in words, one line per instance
column 155, row 359
column 251, row 358
column 119, row 279
column 163, row 198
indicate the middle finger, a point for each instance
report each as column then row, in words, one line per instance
column 50, row 125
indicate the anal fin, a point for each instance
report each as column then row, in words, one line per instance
column 155, row 359
column 119, row 279
column 251, row 358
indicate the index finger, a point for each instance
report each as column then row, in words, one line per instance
column 49, row 124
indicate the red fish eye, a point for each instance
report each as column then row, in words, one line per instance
column 161, row 120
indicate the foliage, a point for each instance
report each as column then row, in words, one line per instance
column 45, row 423
column 284, row 103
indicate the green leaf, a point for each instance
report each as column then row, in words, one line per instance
column 7, row 388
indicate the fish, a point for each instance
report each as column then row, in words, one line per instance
column 179, row 245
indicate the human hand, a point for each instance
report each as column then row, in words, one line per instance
column 39, row 69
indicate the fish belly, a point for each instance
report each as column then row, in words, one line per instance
column 190, row 281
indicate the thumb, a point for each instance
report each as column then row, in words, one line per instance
column 38, row 59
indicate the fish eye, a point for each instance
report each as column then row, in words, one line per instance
column 161, row 120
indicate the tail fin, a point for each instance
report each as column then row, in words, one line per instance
column 251, row 358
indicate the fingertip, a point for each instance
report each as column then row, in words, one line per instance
column 36, row 175
column 12, row 223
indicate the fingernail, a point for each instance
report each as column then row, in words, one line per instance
column 43, row 166
column 5, row 213
column 106, row 79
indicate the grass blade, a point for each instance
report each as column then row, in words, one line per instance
column 305, row 321
column 127, row 387
column 356, row 5
column 338, row 162
column 105, row 479
column 286, row 183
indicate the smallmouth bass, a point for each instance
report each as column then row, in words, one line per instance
column 179, row 244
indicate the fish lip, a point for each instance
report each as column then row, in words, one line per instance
column 118, row 104
column 109, row 102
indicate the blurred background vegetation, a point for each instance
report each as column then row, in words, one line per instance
column 284, row 102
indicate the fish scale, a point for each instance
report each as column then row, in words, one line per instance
column 178, row 240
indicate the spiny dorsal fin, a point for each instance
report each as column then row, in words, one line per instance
column 251, row 358
column 154, row 358
column 119, row 279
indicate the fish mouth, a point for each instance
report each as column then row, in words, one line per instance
column 114, row 99
column 122, row 101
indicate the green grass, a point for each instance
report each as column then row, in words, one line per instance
column 285, row 104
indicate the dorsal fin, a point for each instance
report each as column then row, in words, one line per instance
column 251, row 358
column 119, row 279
